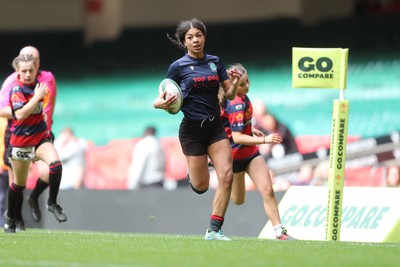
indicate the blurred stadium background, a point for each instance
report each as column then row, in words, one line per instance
column 109, row 56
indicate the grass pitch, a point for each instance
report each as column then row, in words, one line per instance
column 89, row 249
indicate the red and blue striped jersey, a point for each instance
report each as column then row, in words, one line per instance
column 31, row 130
column 236, row 117
column 49, row 103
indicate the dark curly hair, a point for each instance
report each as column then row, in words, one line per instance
column 183, row 27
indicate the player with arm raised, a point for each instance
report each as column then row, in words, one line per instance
column 201, row 133
column 236, row 116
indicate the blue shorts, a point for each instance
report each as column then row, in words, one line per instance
column 241, row 165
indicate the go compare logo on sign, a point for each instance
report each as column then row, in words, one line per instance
column 319, row 67
column 352, row 217
column 368, row 214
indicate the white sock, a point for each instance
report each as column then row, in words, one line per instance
column 278, row 230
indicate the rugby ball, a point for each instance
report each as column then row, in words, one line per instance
column 171, row 88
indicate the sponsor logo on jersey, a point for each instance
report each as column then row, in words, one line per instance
column 212, row 66
column 239, row 116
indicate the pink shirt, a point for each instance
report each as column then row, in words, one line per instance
column 49, row 101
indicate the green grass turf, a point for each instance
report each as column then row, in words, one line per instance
column 88, row 249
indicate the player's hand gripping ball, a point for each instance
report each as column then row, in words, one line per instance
column 171, row 88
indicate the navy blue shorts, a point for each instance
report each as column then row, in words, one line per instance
column 8, row 146
column 196, row 136
column 241, row 165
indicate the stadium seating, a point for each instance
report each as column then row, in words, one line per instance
column 105, row 91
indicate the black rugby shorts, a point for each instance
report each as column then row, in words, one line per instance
column 196, row 136
column 241, row 165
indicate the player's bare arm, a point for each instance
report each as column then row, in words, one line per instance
column 161, row 103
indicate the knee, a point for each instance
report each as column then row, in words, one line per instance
column 199, row 190
column 268, row 192
column 226, row 177
column 238, row 195
column 198, row 186
column 238, row 200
